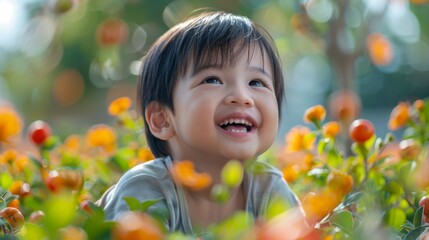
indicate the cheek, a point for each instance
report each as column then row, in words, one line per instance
column 270, row 115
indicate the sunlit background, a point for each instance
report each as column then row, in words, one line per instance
column 64, row 61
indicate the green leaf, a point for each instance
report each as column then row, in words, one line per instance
column 135, row 205
column 146, row 204
column 418, row 216
column 416, row 233
column 352, row 198
column 343, row 220
column 132, row 203
column 322, row 145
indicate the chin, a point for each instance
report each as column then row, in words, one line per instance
column 240, row 155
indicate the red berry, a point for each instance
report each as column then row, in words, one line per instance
column 424, row 201
column 39, row 131
column 361, row 130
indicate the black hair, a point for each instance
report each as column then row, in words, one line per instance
column 202, row 39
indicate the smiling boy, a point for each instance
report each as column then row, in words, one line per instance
column 210, row 91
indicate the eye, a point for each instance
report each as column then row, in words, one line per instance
column 211, row 80
column 257, row 83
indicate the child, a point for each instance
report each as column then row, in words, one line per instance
column 210, row 91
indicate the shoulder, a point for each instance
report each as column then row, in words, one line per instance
column 156, row 168
column 147, row 181
column 267, row 182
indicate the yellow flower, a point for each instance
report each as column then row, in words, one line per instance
column 102, row 136
column 10, row 123
column 119, row 106
column 314, row 114
column 331, row 129
column 299, row 138
column 399, row 116
column 184, row 174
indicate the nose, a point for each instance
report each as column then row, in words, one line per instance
column 239, row 97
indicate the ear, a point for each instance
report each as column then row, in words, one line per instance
column 158, row 119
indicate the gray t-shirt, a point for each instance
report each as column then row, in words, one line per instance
column 152, row 180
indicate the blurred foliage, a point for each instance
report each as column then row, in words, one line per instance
column 380, row 189
column 55, row 66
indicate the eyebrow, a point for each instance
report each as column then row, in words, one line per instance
column 219, row 66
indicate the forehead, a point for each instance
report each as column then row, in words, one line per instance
column 253, row 53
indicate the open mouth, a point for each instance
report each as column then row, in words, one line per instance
column 236, row 125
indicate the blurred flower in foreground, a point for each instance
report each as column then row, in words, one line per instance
column 10, row 123
column 290, row 225
column 399, row 116
column 184, row 174
column 339, row 182
column 119, row 106
column 299, row 138
column 331, row 129
column 318, row 205
column 138, row 226
column 143, row 155
column 315, row 114
column 103, row 136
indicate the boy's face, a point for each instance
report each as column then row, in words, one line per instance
column 225, row 113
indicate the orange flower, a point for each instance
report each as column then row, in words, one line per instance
column 72, row 142
column 339, row 182
column 22, row 162
column 399, row 116
column 419, row 104
column 331, row 129
column 290, row 173
column 102, row 136
column 119, row 106
column 344, row 105
column 10, row 123
column 143, row 155
column 8, row 157
column 379, row 48
column 318, row 205
column 20, row 188
column 299, row 138
column 314, row 114
column 138, row 226
column 184, row 174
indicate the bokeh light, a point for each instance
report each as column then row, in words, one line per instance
column 69, row 87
